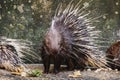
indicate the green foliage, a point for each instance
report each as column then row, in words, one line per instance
column 35, row 73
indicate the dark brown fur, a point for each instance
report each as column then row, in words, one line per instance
column 113, row 55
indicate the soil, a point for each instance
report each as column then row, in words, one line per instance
column 64, row 75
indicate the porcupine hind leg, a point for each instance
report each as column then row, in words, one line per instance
column 70, row 64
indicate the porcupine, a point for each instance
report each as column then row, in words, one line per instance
column 11, row 51
column 113, row 55
column 71, row 36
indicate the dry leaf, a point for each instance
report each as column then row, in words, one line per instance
column 75, row 74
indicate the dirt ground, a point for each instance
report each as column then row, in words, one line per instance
column 88, row 74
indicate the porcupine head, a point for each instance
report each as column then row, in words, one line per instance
column 71, row 36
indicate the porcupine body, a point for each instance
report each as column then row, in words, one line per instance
column 71, row 37
column 113, row 55
column 11, row 51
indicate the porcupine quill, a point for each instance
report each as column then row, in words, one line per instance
column 11, row 52
column 73, row 37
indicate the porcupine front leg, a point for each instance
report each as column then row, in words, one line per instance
column 110, row 61
column 57, row 63
column 46, row 63
column 45, row 59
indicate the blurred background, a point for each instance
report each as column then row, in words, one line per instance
column 29, row 19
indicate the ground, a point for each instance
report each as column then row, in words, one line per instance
column 88, row 74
